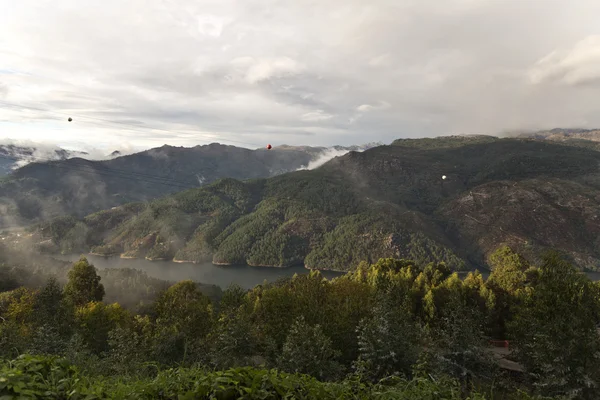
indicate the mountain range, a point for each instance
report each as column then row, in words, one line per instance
column 450, row 198
column 78, row 186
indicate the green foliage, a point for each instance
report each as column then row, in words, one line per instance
column 51, row 309
column 236, row 242
column 308, row 351
column 95, row 320
column 404, row 330
column 388, row 201
column 184, row 315
column 130, row 346
column 52, row 378
column 233, row 298
column 185, row 308
column 12, row 339
column 29, row 377
column 388, row 344
column 556, row 333
column 458, row 344
column 510, row 279
column 84, row 284
column 47, row 339
column 369, row 237
column 235, row 341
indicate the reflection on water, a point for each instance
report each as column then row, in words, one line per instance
column 245, row 276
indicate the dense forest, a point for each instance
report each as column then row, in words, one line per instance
column 386, row 202
column 391, row 329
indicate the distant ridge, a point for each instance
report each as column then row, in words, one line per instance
column 387, row 201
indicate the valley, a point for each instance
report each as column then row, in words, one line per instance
column 387, row 201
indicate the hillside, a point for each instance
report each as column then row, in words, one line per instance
column 78, row 186
column 560, row 134
column 588, row 138
column 388, row 201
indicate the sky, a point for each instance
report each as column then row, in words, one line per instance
column 143, row 73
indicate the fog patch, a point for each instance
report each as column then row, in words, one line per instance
column 322, row 158
column 23, row 152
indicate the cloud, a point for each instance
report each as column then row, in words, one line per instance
column 578, row 66
column 257, row 70
column 319, row 73
column 382, row 105
column 27, row 151
column 382, row 60
column 317, row 115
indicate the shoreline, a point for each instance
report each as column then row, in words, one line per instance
column 219, row 264
column 225, row 264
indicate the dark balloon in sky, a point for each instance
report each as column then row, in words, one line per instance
column 70, row 119
column 269, row 147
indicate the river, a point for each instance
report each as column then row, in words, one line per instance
column 223, row 276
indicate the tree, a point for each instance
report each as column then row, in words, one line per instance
column 185, row 312
column 95, row 320
column 16, row 315
column 47, row 339
column 50, row 311
column 84, row 284
column 48, row 301
column 508, row 269
column 274, row 311
column 234, row 341
column 511, row 275
column 307, row 350
column 129, row 347
column 457, row 343
column 555, row 332
column 348, row 302
column 388, row 343
column 233, row 298
column 12, row 340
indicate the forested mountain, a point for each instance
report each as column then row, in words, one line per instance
column 450, row 199
column 394, row 329
column 78, row 186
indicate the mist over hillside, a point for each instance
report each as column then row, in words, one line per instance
column 15, row 154
column 387, row 201
column 78, row 186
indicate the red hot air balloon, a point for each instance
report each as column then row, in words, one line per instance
column 269, row 147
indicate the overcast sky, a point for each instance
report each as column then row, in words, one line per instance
column 249, row 72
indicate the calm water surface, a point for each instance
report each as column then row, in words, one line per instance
column 223, row 276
